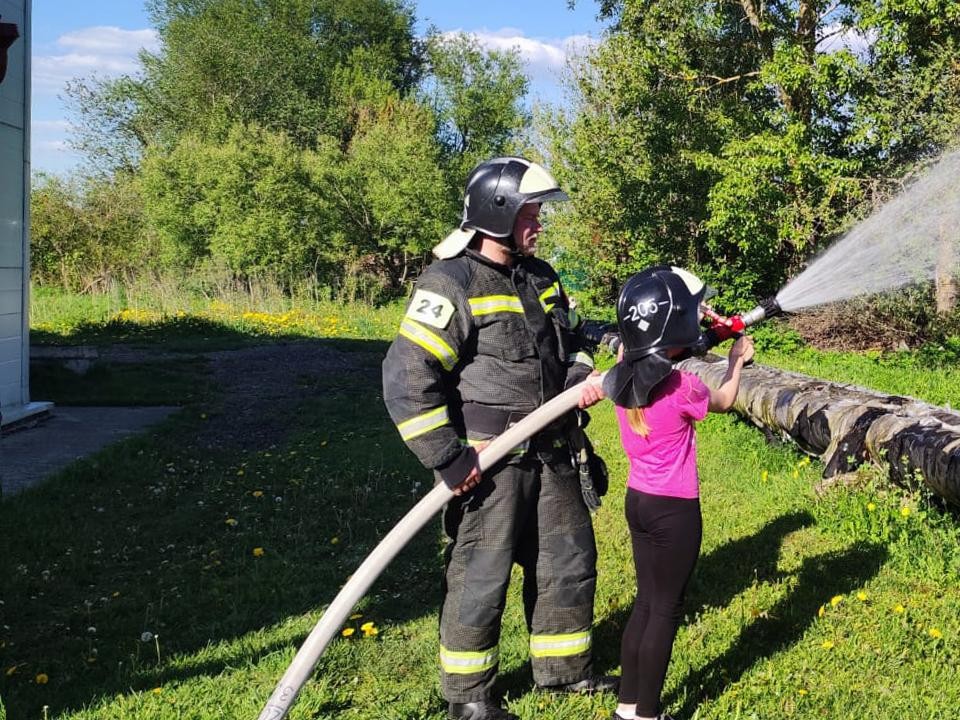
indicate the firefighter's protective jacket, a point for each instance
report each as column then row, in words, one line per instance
column 478, row 336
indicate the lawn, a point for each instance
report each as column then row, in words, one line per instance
column 167, row 578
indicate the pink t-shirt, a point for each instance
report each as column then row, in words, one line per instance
column 665, row 462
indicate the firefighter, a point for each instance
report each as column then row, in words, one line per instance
column 488, row 336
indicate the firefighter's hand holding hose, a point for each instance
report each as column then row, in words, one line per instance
column 591, row 394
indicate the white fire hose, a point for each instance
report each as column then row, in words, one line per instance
column 339, row 610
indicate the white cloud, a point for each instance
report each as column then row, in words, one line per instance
column 103, row 51
column 49, row 146
column 541, row 53
column 545, row 58
column 49, row 126
column 834, row 38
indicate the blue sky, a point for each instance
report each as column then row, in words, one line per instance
column 72, row 39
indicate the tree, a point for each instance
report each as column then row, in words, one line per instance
column 737, row 137
column 477, row 95
column 85, row 232
column 272, row 63
column 249, row 203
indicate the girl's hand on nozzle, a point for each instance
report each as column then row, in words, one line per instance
column 742, row 350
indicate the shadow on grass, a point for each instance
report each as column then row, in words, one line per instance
column 189, row 333
column 819, row 577
column 719, row 577
column 136, row 538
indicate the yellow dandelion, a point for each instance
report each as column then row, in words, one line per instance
column 347, row 632
column 257, row 493
column 367, row 626
column 42, row 679
column 871, row 506
column 802, row 691
column 905, row 511
column 231, row 522
column 764, row 475
column 862, row 596
column 796, row 474
column 827, row 644
column 899, row 609
column 935, row 633
column 258, row 552
column 157, row 690
column 821, row 611
column 370, row 632
column 836, row 600
column 334, row 540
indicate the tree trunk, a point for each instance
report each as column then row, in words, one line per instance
column 847, row 425
column 945, row 283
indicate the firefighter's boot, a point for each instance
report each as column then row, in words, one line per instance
column 481, row 710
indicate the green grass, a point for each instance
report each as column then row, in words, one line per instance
column 794, row 609
column 197, row 323
column 894, row 373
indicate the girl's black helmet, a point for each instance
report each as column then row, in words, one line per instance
column 658, row 309
column 495, row 192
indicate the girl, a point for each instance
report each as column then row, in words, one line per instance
column 657, row 406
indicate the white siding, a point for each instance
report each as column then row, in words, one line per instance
column 14, row 175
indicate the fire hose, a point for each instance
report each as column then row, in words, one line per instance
column 339, row 610
column 307, row 657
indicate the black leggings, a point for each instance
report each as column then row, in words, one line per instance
column 666, row 533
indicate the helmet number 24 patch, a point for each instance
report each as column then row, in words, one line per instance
column 431, row 309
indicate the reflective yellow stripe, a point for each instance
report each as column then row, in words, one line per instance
column 559, row 645
column 433, row 344
column 417, row 426
column 580, row 357
column 489, row 304
column 552, row 290
column 465, row 662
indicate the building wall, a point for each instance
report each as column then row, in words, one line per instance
column 14, row 214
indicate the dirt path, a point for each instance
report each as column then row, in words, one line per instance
column 259, row 387
column 256, row 391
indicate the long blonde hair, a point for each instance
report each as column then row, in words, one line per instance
column 638, row 421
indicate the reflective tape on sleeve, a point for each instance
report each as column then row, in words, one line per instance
column 466, row 662
column 552, row 292
column 560, row 645
column 580, row 357
column 489, row 304
column 431, row 342
column 417, row 426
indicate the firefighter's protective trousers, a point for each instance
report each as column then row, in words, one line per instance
column 530, row 512
column 481, row 345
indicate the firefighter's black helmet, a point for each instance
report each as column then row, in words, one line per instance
column 495, row 191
